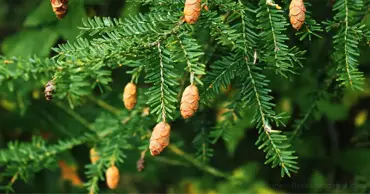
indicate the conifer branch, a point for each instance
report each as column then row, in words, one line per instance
column 25, row 154
column 33, row 69
column 346, row 42
column 345, row 39
column 192, row 52
column 273, row 37
column 240, row 40
column 110, row 151
column 223, row 71
column 222, row 33
column 162, row 93
column 173, row 31
column 163, row 110
column 301, row 122
column 9, row 187
column 255, row 94
column 244, row 21
column 94, row 173
column 275, row 52
column 133, row 26
column 311, row 28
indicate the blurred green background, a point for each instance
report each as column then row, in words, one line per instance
column 334, row 150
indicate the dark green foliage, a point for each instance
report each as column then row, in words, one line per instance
column 346, row 41
column 223, row 71
column 275, row 52
column 162, row 94
column 191, row 53
column 260, row 83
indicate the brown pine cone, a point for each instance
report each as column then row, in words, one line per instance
column 49, row 90
column 140, row 164
column 112, row 177
column 94, row 156
column 297, row 13
column 129, row 96
column 189, row 101
column 192, row 11
column 160, row 138
column 60, row 7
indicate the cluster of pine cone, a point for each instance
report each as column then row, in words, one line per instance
column 190, row 98
column 161, row 133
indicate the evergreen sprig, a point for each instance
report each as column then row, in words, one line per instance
column 274, row 51
column 256, row 94
column 311, row 28
column 163, row 93
column 110, row 150
column 223, row 71
column 14, row 69
column 223, row 33
column 84, row 61
column 276, row 145
column 191, row 54
column 22, row 160
column 243, row 40
column 346, row 41
column 140, row 24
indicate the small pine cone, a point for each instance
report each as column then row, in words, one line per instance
column 140, row 164
column 112, row 177
column 297, row 13
column 49, row 90
column 189, row 101
column 60, row 7
column 160, row 138
column 192, row 11
column 94, row 156
column 146, row 111
column 129, row 96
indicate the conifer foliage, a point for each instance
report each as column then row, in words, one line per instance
column 173, row 74
column 349, row 32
